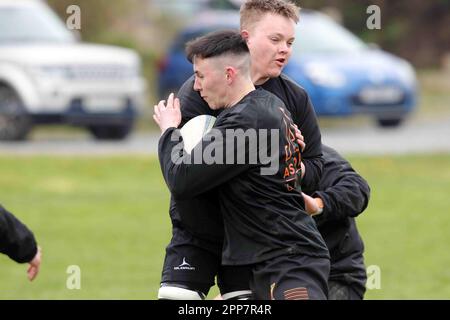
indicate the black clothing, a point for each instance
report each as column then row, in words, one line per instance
column 291, row 277
column 16, row 240
column 263, row 215
column 345, row 195
column 196, row 262
column 297, row 102
column 193, row 214
column 341, row 291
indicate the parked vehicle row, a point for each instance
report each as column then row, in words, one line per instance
column 48, row 76
column 342, row 74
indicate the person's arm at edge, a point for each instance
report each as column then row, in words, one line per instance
column 343, row 191
column 19, row 243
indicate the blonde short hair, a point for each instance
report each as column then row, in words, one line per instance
column 252, row 10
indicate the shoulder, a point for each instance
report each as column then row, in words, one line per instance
column 293, row 86
column 330, row 152
column 187, row 88
column 260, row 101
column 291, row 93
column 265, row 95
column 266, row 109
column 248, row 110
column 334, row 161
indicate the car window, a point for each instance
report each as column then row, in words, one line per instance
column 31, row 24
column 186, row 36
column 316, row 33
column 180, row 8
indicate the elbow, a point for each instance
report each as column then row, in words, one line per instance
column 365, row 203
column 366, row 196
column 175, row 179
column 360, row 205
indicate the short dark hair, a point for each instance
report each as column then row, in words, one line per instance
column 215, row 44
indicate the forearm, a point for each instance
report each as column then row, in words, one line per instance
column 16, row 240
column 173, row 161
column 186, row 175
column 312, row 173
column 343, row 201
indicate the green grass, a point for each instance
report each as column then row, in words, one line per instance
column 108, row 215
column 406, row 227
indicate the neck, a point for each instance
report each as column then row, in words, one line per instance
column 258, row 78
column 240, row 90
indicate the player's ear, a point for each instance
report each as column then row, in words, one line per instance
column 230, row 74
column 245, row 35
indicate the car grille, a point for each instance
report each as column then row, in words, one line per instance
column 98, row 72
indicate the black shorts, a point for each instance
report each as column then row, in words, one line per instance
column 341, row 291
column 291, row 277
column 350, row 272
column 194, row 263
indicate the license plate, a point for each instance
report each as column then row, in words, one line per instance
column 104, row 104
column 372, row 95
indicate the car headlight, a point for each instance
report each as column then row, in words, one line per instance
column 324, row 76
column 51, row 72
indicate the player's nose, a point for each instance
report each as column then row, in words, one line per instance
column 197, row 86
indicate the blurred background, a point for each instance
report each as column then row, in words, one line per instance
column 78, row 145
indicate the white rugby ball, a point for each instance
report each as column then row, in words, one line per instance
column 194, row 130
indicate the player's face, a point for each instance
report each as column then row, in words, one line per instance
column 270, row 42
column 210, row 82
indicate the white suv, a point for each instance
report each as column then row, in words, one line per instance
column 47, row 76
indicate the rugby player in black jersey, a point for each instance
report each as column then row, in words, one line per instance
column 266, row 226
column 268, row 26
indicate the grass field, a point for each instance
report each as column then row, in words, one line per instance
column 109, row 217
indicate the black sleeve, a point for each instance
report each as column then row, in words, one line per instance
column 188, row 176
column 16, row 240
column 192, row 104
column 312, row 155
column 344, row 192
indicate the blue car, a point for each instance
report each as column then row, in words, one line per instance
column 342, row 74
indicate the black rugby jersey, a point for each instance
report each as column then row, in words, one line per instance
column 193, row 215
column 263, row 214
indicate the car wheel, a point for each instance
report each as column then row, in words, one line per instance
column 15, row 123
column 111, row 132
column 389, row 123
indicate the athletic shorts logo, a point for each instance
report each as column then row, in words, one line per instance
column 300, row 293
column 184, row 266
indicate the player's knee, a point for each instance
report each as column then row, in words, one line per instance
column 237, row 295
column 173, row 292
